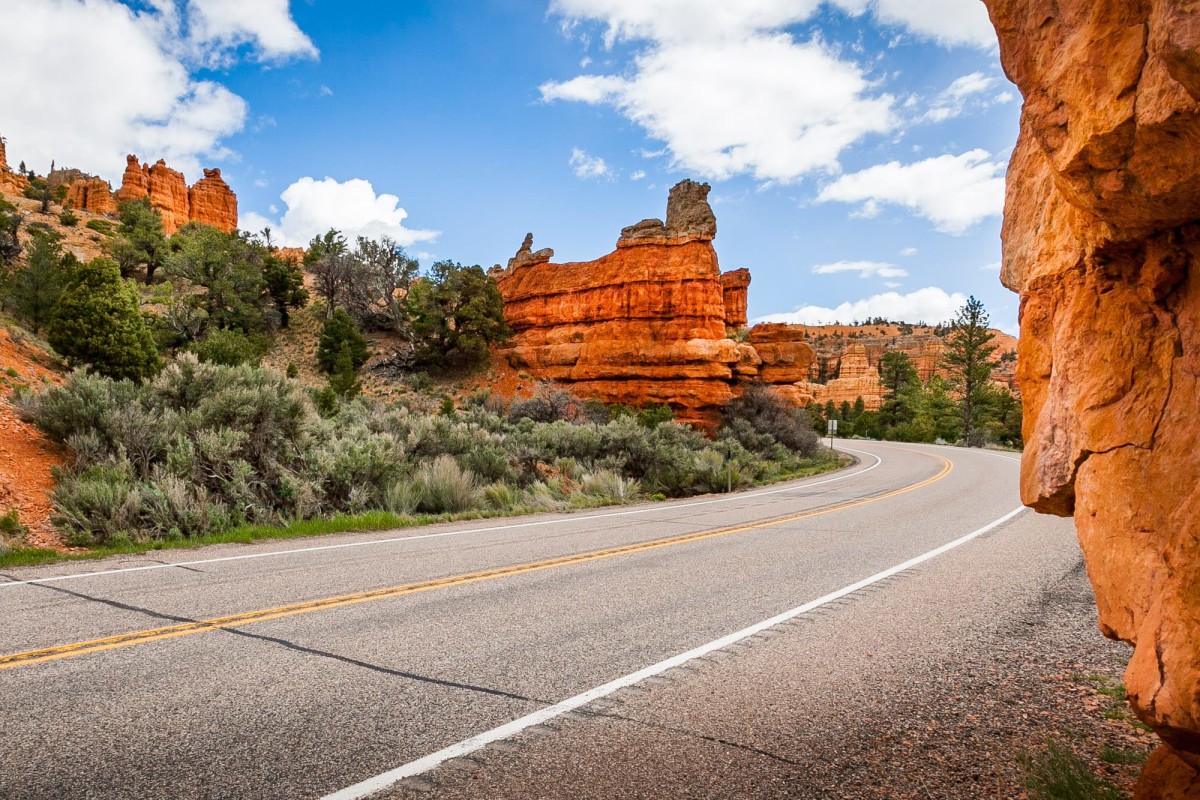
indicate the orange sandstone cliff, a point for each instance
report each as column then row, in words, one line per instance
column 1102, row 241
column 644, row 324
column 10, row 182
column 209, row 200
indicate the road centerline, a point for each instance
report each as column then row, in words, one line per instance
column 76, row 649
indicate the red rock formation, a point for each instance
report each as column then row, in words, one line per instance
column 786, row 357
column 818, row 363
column 10, row 182
column 164, row 187
column 212, row 202
column 1102, row 240
column 91, row 194
column 735, row 288
column 644, row 324
column 135, row 183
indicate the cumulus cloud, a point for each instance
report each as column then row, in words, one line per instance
column 949, row 22
column 931, row 305
column 952, row 101
column 586, row 166
column 351, row 207
column 953, row 192
column 137, row 90
column 266, row 25
column 865, row 269
column 755, row 116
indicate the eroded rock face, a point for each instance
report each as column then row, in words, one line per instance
column 1102, row 241
column 689, row 219
column 644, row 324
column 735, row 288
column 819, row 363
column 10, row 181
column 212, row 202
column 91, row 194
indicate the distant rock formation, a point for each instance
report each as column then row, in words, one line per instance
column 93, row 195
column 165, row 188
column 10, row 182
column 649, row 323
column 1101, row 238
column 644, row 324
column 212, row 202
column 209, row 201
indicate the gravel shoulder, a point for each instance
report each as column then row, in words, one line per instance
column 931, row 685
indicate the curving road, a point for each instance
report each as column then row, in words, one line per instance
column 358, row 664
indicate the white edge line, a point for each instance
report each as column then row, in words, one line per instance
column 489, row 529
column 510, row 729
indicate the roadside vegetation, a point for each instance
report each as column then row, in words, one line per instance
column 962, row 404
column 204, row 449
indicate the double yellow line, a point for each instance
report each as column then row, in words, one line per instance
column 250, row 617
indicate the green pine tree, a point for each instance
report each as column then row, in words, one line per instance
column 98, row 323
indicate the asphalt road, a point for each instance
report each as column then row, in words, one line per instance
column 304, row 669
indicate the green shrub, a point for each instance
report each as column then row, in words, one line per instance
column 446, row 487
column 100, row 506
column 11, row 529
column 1058, row 774
column 610, row 487
column 767, row 414
column 100, row 226
column 68, row 218
column 230, row 347
column 402, row 497
column 501, row 497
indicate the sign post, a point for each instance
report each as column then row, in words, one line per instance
column 832, row 425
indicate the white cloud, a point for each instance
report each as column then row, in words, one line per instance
column 953, row 192
column 931, row 305
column 952, row 101
column 684, row 20
column 351, row 207
column 266, row 25
column 949, row 22
column 865, row 269
column 908, row 251
column 589, row 166
column 637, row 175
column 754, row 115
column 137, row 91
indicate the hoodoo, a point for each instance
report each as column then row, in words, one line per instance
column 644, row 324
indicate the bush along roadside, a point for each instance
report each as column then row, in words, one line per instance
column 208, row 452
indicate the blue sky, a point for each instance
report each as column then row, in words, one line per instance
column 856, row 148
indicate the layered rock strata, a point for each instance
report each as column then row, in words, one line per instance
column 1102, row 241
column 643, row 324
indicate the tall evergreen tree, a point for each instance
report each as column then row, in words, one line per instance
column 34, row 289
column 968, row 363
